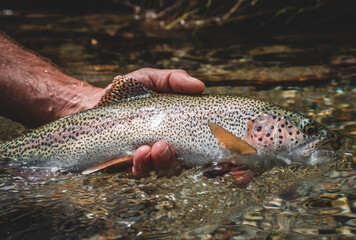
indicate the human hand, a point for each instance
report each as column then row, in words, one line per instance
column 168, row 80
column 161, row 156
column 162, row 81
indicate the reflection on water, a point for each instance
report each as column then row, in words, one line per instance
column 285, row 202
column 291, row 200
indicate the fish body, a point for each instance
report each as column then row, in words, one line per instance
column 116, row 130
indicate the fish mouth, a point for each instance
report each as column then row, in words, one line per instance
column 312, row 155
column 323, row 142
column 310, row 148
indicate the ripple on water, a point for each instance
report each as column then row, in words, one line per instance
column 189, row 205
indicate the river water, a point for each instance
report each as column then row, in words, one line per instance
column 309, row 73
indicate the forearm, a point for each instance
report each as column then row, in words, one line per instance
column 33, row 91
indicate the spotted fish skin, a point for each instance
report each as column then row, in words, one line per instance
column 81, row 140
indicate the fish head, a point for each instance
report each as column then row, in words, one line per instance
column 290, row 137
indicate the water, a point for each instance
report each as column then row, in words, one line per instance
column 308, row 73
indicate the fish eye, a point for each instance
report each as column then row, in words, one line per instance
column 310, row 129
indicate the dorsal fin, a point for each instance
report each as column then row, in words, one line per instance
column 230, row 141
column 124, row 87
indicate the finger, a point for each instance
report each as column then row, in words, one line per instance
column 182, row 82
column 142, row 162
column 172, row 80
column 164, row 160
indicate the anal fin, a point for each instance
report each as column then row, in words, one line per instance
column 115, row 163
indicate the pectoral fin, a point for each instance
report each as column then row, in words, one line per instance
column 124, row 87
column 115, row 163
column 230, row 141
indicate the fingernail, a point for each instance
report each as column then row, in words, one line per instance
column 147, row 156
column 193, row 79
column 197, row 85
column 166, row 154
column 142, row 165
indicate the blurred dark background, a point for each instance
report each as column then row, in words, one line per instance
column 219, row 41
column 276, row 15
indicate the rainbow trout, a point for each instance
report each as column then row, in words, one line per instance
column 201, row 129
